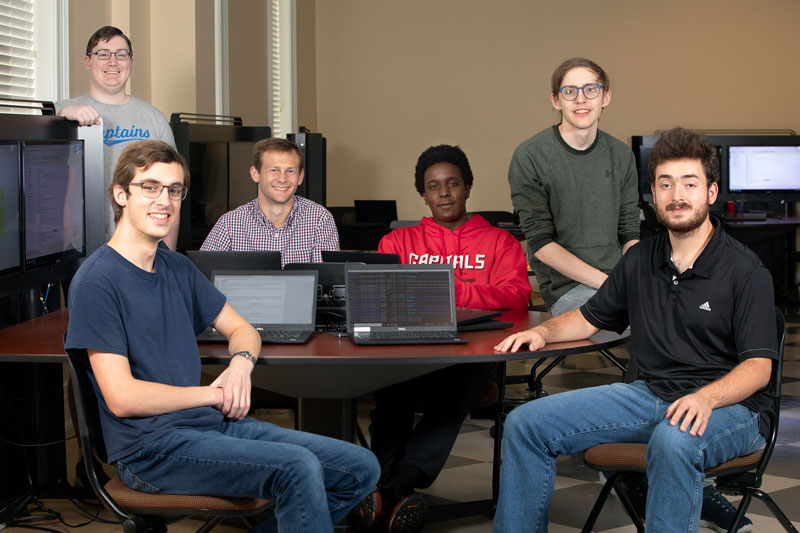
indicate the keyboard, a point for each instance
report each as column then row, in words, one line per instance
column 212, row 336
column 734, row 217
column 407, row 337
column 273, row 335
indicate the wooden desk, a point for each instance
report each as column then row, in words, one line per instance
column 40, row 341
column 327, row 367
column 326, row 373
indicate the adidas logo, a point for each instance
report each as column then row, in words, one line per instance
column 705, row 307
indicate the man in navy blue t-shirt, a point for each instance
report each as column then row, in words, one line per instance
column 135, row 307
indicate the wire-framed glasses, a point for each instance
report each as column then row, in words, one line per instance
column 152, row 189
column 590, row 91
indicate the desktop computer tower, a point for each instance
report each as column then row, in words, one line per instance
column 313, row 146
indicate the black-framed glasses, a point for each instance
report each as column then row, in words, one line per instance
column 590, row 91
column 152, row 189
column 105, row 55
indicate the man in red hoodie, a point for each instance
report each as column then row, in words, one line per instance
column 490, row 273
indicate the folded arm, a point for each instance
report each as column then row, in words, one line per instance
column 127, row 396
column 235, row 380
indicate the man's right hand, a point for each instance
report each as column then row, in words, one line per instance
column 84, row 115
column 533, row 338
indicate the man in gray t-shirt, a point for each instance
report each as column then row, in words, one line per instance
column 109, row 59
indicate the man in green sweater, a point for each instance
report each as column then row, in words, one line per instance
column 575, row 188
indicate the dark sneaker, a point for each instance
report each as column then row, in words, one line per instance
column 408, row 515
column 367, row 511
column 718, row 513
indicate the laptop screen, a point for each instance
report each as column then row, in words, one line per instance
column 402, row 296
column 274, row 298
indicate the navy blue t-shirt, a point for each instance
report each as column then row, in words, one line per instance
column 151, row 318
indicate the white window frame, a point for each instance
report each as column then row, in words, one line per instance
column 281, row 64
column 51, row 44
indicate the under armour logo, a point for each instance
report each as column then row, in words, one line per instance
column 705, row 307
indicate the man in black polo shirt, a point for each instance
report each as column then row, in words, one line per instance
column 702, row 319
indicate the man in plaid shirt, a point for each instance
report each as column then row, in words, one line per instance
column 276, row 220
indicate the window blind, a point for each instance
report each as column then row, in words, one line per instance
column 17, row 56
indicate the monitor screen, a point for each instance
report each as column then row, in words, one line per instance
column 399, row 297
column 383, row 211
column 53, row 192
column 764, row 168
column 10, row 241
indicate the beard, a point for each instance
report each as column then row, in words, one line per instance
column 687, row 225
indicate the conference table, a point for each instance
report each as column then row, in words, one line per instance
column 326, row 373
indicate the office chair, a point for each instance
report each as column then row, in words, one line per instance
column 741, row 475
column 140, row 511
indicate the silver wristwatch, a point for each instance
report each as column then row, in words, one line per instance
column 247, row 355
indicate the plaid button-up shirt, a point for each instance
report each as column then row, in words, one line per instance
column 308, row 230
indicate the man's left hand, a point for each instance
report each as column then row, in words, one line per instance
column 695, row 410
column 235, row 385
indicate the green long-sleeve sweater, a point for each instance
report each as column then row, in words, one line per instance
column 584, row 200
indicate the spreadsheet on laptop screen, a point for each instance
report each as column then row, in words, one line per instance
column 400, row 298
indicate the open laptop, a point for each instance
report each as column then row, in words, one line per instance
column 330, row 283
column 207, row 262
column 401, row 304
column 280, row 305
column 368, row 258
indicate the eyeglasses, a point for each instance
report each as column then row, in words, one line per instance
column 152, row 189
column 590, row 91
column 105, row 55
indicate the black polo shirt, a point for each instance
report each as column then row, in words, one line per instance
column 692, row 328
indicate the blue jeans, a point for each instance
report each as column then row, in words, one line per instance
column 570, row 422
column 572, row 299
column 314, row 480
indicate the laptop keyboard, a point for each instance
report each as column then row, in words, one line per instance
column 405, row 337
column 275, row 335
column 387, row 335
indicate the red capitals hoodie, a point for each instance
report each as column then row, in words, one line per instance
column 490, row 268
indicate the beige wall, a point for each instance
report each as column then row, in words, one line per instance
column 247, row 50
column 306, row 59
column 393, row 78
column 164, row 50
column 383, row 80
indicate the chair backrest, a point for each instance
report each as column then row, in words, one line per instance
column 89, row 428
column 86, row 404
column 775, row 378
column 403, row 223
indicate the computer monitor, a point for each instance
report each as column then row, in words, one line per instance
column 209, row 261
column 53, row 201
column 383, row 211
column 763, row 168
column 10, row 237
column 368, row 258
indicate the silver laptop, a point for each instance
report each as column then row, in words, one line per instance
column 401, row 304
column 280, row 305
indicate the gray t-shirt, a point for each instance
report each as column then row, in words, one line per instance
column 122, row 124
